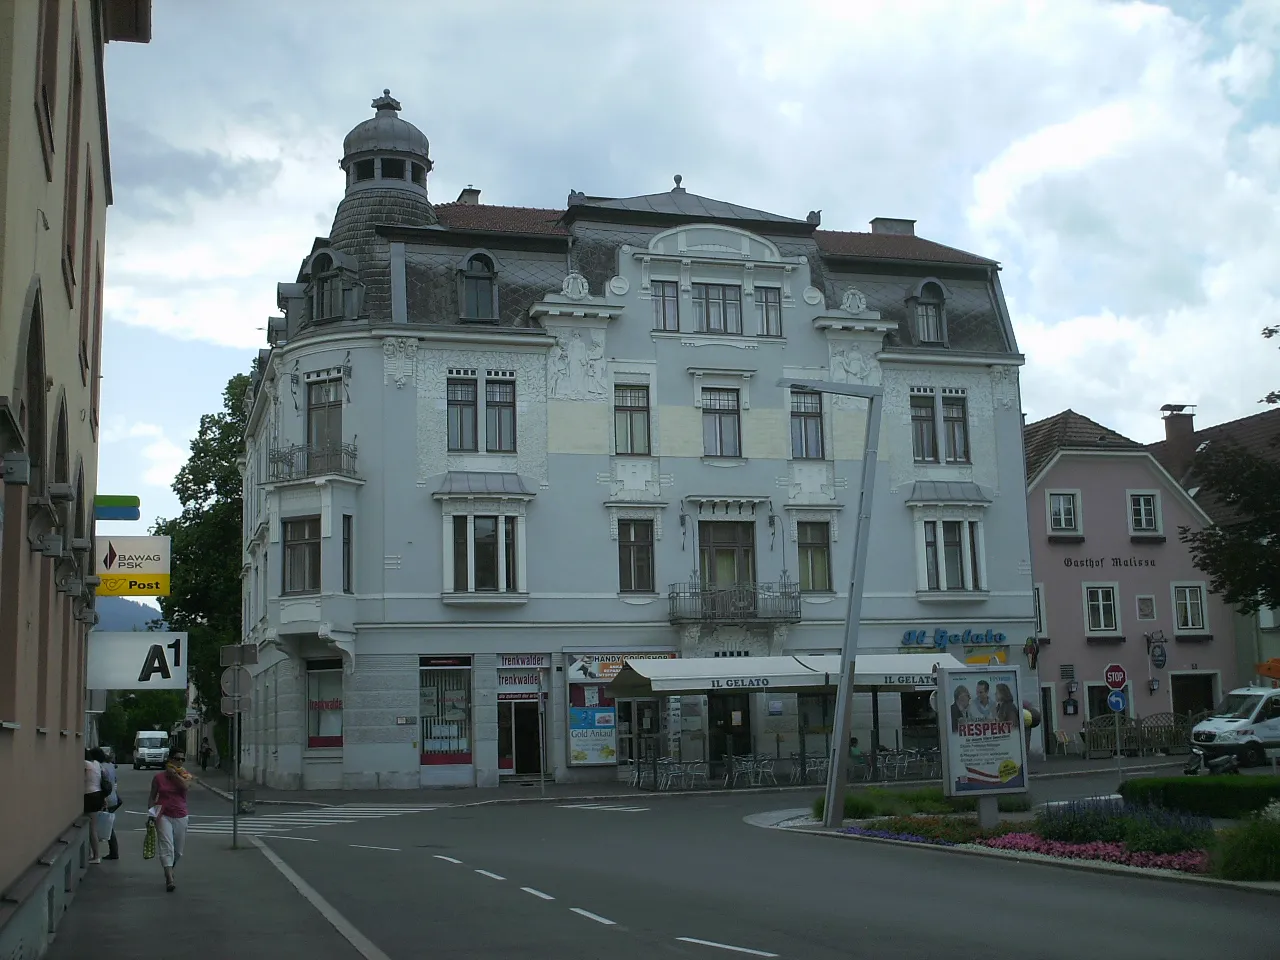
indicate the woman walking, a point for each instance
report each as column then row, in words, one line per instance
column 94, row 800
column 106, row 817
column 169, row 793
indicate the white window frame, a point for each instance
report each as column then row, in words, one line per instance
column 1156, row 531
column 1114, row 587
column 1137, row 608
column 472, row 508
column 1129, row 706
column 1078, row 531
column 964, row 516
column 1203, row 587
column 1041, row 616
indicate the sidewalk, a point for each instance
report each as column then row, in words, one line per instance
column 229, row 903
column 220, row 782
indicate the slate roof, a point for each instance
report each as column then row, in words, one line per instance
column 946, row 491
column 467, row 483
column 834, row 243
column 1068, row 430
column 1259, row 434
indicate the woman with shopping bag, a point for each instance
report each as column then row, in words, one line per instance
column 106, row 817
column 167, row 806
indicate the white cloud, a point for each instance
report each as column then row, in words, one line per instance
column 155, row 460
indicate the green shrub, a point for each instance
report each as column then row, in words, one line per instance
column 882, row 802
column 1081, row 823
column 1152, row 830
column 856, row 807
column 1250, row 851
column 945, row 829
column 1230, row 797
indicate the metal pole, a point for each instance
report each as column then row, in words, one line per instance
column 833, row 812
column 542, row 747
column 1119, row 772
column 235, row 777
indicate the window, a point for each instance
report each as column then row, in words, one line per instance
column 930, row 322
column 95, row 369
column 71, row 188
column 924, row 430
column 346, row 554
column 1041, row 620
column 47, row 78
column 462, row 415
column 666, row 305
column 1097, row 702
column 364, row 170
column 1144, row 512
column 324, row 426
column 324, row 703
column 419, row 174
column 631, row 419
column 478, row 300
column 635, row 556
column 717, row 308
column 806, row 425
column 815, row 556
column 326, row 289
column 485, row 554
column 445, row 706
column 1100, row 608
column 955, row 429
column 720, row 425
column 952, row 555
column 392, row 169
column 86, row 263
column 1062, row 513
column 1188, row 605
column 302, row 555
column 769, row 305
column 500, row 416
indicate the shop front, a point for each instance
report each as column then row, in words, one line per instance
column 522, row 686
column 604, row 730
column 445, row 702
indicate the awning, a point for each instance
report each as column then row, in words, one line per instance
column 463, row 483
column 900, row 672
column 946, row 492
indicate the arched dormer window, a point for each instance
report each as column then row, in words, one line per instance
column 479, row 288
column 326, row 290
column 927, row 309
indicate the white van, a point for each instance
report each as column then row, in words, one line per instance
column 150, row 749
column 1246, row 723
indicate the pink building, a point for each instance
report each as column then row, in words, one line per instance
column 1113, row 582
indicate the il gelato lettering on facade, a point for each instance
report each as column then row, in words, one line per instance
column 941, row 638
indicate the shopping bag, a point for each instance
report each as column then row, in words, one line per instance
column 149, row 840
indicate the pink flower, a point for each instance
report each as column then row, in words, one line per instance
column 1192, row 861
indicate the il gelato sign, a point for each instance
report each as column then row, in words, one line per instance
column 942, row 638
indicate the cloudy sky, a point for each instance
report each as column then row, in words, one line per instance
column 1121, row 160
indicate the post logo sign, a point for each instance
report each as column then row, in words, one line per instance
column 136, row 661
column 133, row 566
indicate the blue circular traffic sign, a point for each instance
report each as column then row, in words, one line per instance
column 1159, row 657
column 1116, row 700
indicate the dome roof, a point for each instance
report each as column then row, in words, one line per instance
column 385, row 131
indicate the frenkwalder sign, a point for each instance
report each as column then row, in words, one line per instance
column 136, row 661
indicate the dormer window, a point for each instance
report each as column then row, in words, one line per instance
column 928, row 313
column 326, row 290
column 392, row 169
column 479, row 289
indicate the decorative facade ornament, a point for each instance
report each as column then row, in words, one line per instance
column 849, row 364
column 812, row 296
column 1004, row 385
column 576, row 368
column 399, row 360
column 575, row 287
column 619, row 286
column 853, row 301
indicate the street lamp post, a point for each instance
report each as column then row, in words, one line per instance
column 833, row 811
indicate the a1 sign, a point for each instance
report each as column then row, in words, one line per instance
column 138, row 660
column 1115, row 676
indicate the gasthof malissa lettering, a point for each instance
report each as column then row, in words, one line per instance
column 1092, row 563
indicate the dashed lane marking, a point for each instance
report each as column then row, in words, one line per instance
column 538, row 893
column 365, row 846
column 439, row 856
column 592, row 916
column 615, row 808
column 726, row 946
column 495, row 876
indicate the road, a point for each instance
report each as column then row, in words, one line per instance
column 687, row 877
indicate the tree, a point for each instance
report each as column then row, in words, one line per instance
column 131, row 711
column 1241, row 557
column 205, row 590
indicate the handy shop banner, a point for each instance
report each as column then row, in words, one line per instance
column 133, row 566
column 593, row 729
column 980, row 716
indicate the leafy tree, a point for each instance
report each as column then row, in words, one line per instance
column 204, row 597
column 1242, row 558
column 132, row 711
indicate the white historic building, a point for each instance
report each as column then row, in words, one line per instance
column 494, row 450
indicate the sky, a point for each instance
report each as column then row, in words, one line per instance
column 1120, row 160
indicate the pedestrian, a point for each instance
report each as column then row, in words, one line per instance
column 168, row 804
column 93, row 800
column 106, row 817
column 206, row 751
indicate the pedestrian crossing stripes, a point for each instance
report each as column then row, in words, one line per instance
column 613, row 808
column 265, row 823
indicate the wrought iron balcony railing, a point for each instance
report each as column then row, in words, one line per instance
column 741, row 602
column 303, row 460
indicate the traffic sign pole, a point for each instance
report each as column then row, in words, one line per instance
column 1116, row 678
column 235, row 679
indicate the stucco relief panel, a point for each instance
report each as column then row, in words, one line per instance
column 576, row 367
column 530, row 459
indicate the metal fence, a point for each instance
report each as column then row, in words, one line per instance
column 778, row 602
column 304, row 460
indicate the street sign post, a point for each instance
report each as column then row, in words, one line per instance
column 236, row 684
column 1116, row 678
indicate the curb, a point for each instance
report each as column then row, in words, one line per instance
column 1084, row 866
column 226, row 795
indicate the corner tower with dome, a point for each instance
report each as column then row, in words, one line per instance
column 495, row 450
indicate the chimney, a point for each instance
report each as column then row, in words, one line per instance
column 470, row 195
column 1180, row 437
column 901, row 228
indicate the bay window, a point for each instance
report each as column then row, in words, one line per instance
column 951, row 556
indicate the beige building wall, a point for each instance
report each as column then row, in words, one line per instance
column 54, row 191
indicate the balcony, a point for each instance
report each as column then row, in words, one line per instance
column 741, row 603
column 303, row 460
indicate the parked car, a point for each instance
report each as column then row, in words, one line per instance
column 1246, row 724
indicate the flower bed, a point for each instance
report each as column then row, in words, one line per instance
column 1188, row 861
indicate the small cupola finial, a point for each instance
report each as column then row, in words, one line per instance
column 677, row 188
column 386, row 102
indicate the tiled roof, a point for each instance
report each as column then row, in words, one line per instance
column 1068, row 430
column 486, row 216
column 1259, row 434
column 836, row 243
column 892, row 246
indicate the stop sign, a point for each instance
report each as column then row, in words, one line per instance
column 1115, row 676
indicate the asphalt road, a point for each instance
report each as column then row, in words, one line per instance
column 546, row 881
